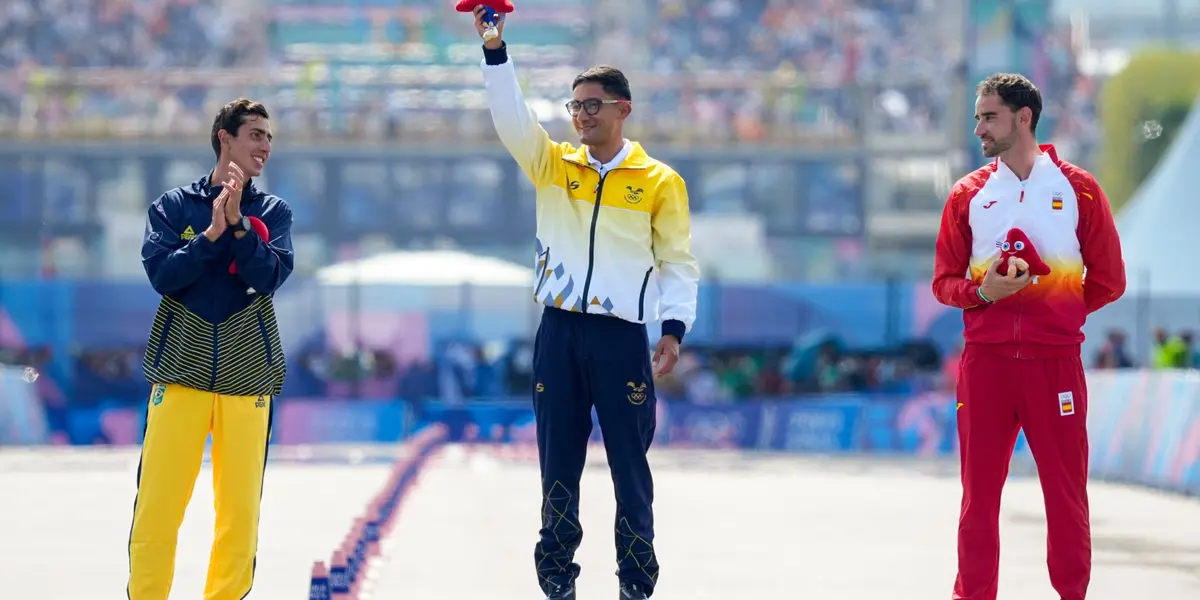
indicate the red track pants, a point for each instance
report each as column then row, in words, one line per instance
column 999, row 395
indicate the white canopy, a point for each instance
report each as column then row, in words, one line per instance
column 1159, row 224
column 427, row 268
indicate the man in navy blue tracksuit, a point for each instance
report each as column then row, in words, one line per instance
column 216, row 251
column 612, row 253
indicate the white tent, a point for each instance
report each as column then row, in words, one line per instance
column 427, row 268
column 1161, row 220
column 483, row 297
column 1157, row 227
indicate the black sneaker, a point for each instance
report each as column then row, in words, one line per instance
column 633, row 590
column 562, row 592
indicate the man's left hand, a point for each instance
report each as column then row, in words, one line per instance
column 233, row 206
column 666, row 355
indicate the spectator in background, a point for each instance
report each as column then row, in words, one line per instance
column 1171, row 352
column 155, row 35
column 831, row 61
column 1113, row 354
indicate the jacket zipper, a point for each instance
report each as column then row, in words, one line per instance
column 215, row 359
column 1017, row 328
column 642, row 296
column 262, row 331
column 168, row 321
column 1019, row 303
column 587, row 281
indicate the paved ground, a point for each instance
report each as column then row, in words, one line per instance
column 729, row 526
column 64, row 524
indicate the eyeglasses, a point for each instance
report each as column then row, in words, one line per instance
column 591, row 106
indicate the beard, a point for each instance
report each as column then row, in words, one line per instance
column 1000, row 146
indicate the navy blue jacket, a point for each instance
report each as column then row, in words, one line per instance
column 214, row 330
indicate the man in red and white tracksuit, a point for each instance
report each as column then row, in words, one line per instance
column 1021, row 366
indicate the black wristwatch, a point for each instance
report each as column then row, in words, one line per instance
column 241, row 225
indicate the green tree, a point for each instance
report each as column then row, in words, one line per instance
column 1157, row 86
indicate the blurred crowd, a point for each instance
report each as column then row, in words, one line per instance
column 146, row 37
column 464, row 370
column 147, row 34
column 845, row 57
column 722, row 69
column 716, row 71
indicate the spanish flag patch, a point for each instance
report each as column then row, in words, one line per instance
column 1057, row 202
column 1066, row 403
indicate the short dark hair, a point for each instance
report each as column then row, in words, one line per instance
column 1016, row 92
column 232, row 116
column 610, row 78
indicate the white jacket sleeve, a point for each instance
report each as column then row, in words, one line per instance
column 516, row 123
column 679, row 271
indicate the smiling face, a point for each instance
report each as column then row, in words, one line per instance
column 604, row 126
column 996, row 125
column 251, row 147
column 600, row 102
column 242, row 133
column 1007, row 109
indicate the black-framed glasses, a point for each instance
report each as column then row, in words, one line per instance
column 591, row 106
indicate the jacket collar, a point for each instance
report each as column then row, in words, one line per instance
column 1048, row 158
column 636, row 159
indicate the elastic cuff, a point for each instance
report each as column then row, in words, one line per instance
column 674, row 327
column 245, row 246
column 206, row 248
column 495, row 57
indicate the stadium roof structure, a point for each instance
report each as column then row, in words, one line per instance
column 1158, row 225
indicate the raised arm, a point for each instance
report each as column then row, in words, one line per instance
column 516, row 123
column 678, row 269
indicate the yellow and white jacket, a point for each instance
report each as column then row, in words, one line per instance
column 611, row 239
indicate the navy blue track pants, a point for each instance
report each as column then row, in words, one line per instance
column 581, row 361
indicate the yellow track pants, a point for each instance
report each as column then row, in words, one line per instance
column 178, row 422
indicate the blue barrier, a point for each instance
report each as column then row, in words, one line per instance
column 1144, row 425
column 1145, row 428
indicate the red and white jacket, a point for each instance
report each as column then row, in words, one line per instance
column 1069, row 221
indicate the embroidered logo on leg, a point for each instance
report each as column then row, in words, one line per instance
column 1066, row 403
column 638, row 396
column 160, row 392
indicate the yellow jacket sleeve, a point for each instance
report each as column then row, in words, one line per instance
column 516, row 123
column 679, row 271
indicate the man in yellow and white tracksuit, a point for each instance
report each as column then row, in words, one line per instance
column 613, row 253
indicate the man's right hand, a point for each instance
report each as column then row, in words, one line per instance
column 219, row 224
column 996, row 286
column 493, row 43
